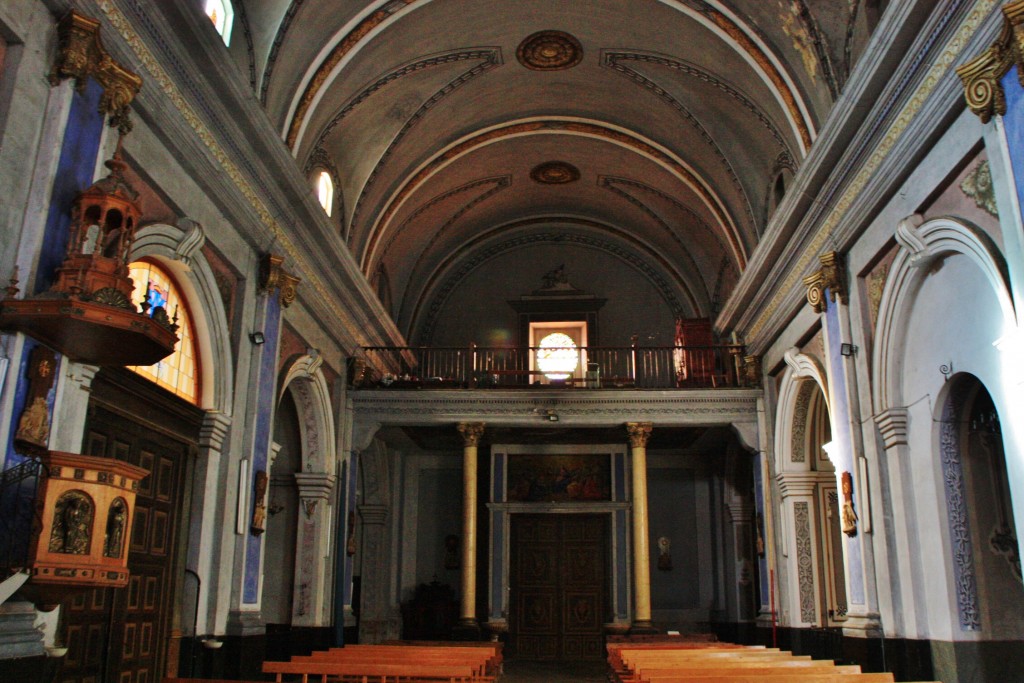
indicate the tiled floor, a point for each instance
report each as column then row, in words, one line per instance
column 554, row 672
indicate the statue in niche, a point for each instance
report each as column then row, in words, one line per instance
column 113, row 543
column 34, row 424
column 664, row 554
column 72, row 524
column 259, row 509
column 849, row 515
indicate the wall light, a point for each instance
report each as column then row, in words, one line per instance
column 257, row 338
column 847, row 349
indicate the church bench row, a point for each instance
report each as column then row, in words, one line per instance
column 394, row 664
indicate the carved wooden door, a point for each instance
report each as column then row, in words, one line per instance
column 559, row 586
column 122, row 635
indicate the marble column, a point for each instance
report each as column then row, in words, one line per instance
column 471, row 433
column 639, row 432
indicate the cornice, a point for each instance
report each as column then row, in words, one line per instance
column 858, row 159
column 981, row 76
column 519, row 408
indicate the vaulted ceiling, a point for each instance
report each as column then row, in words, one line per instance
column 654, row 129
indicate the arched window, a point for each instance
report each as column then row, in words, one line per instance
column 222, row 14
column 178, row 372
column 325, row 191
column 557, row 356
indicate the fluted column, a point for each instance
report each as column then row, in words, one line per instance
column 471, row 433
column 639, row 432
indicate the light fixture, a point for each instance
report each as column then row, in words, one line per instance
column 257, row 338
column 847, row 349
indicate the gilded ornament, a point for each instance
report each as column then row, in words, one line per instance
column 639, row 433
column 471, row 433
column 274, row 276
column 81, row 54
column 555, row 173
column 72, row 524
column 752, row 371
column 981, row 76
column 978, row 186
column 549, row 51
column 831, row 277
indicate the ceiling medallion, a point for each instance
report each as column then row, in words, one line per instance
column 555, row 173
column 549, row 51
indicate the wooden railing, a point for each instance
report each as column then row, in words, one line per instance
column 480, row 367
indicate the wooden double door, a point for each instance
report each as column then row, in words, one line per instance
column 122, row 635
column 559, row 586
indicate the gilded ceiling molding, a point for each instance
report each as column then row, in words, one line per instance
column 981, row 75
column 553, row 126
column 490, row 58
column 274, row 276
column 469, row 257
column 832, row 277
column 80, row 54
column 900, row 121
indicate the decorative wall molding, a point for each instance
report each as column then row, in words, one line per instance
column 798, row 441
column 193, row 238
column 80, row 54
column 802, row 483
column 805, row 562
column 981, row 76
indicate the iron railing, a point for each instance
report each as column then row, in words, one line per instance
column 18, row 516
column 639, row 367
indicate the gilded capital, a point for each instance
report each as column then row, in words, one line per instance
column 80, row 54
column 831, row 277
column 639, row 433
column 981, row 75
column 274, row 276
column 471, row 433
column 752, row 371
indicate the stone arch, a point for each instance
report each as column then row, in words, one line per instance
column 922, row 244
column 179, row 249
column 308, row 386
column 802, row 376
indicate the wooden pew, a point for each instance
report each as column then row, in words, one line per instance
column 374, row 672
column 486, row 659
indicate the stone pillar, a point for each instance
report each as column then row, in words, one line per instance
column 471, row 433
column 741, row 513
column 639, row 432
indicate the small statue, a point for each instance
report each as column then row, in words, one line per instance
column 72, row 522
column 259, row 510
column 849, row 515
column 112, row 545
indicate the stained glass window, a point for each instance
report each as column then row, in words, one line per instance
column 178, row 372
column 325, row 191
column 221, row 13
column 557, row 356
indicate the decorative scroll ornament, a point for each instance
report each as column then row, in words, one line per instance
column 80, row 54
column 831, row 277
column 274, row 276
column 981, row 75
column 639, row 433
column 471, row 433
column 549, row 51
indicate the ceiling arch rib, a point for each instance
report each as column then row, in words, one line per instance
column 419, row 316
column 552, row 126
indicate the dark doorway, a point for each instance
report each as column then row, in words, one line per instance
column 123, row 635
column 559, row 569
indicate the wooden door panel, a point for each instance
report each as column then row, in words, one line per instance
column 559, row 587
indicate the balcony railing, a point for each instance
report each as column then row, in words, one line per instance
column 479, row 367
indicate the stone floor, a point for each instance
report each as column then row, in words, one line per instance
column 554, row 672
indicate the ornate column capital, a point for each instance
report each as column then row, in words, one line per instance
column 831, row 276
column 981, row 75
column 892, row 424
column 639, row 433
column 471, row 433
column 80, row 54
column 274, row 276
column 801, row 483
column 752, row 371
column 375, row 515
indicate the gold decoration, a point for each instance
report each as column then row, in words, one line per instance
column 113, row 542
column 549, row 51
column 848, row 515
column 752, row 371
column 80, row 54
column 72, row 524
column 831, row 277
column 471, row 433
column 876, row 287
column 274, row 276
column 981, row 75
column 259, row 508
column 639, row 433
column 978, row 186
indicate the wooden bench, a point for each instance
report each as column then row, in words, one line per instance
column 375, row 672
